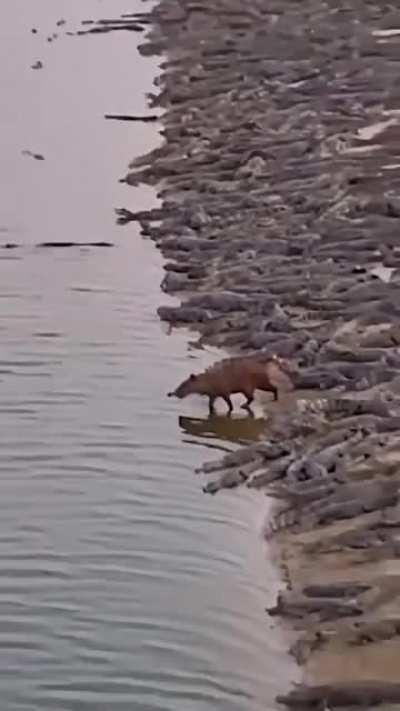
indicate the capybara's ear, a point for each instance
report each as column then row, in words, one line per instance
column 192, row 376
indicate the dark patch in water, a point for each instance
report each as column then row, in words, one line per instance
column 36, row 156
column 64, row 245
column 126, row 117
column 45, row 334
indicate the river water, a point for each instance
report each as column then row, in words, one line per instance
column 122, row 586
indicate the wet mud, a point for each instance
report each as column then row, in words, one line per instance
column 279, row 176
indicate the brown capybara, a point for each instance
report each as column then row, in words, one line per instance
column 236, row 375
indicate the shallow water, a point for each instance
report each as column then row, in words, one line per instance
column 121, row 584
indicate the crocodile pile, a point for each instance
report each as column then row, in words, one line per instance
column 279, row 180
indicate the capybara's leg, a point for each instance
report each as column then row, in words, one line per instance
column 250, row 398
column 268, row 387
column 211, row 402
column 228, row 402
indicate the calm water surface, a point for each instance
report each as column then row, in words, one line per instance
column 122, row 586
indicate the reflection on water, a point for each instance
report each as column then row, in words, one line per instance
column 122, row 586
column 226, row 428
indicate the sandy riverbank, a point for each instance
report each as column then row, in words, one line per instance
column 280, row 181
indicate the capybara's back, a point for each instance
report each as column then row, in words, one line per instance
column 247, row 375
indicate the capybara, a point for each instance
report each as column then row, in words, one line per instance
column 236, row 375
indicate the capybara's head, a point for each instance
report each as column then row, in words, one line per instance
column 188, row 387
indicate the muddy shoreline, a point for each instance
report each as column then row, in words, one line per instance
column 280, row 184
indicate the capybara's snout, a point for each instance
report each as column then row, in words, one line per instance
column 171, row 394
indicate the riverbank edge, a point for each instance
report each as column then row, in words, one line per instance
column 272, row 200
